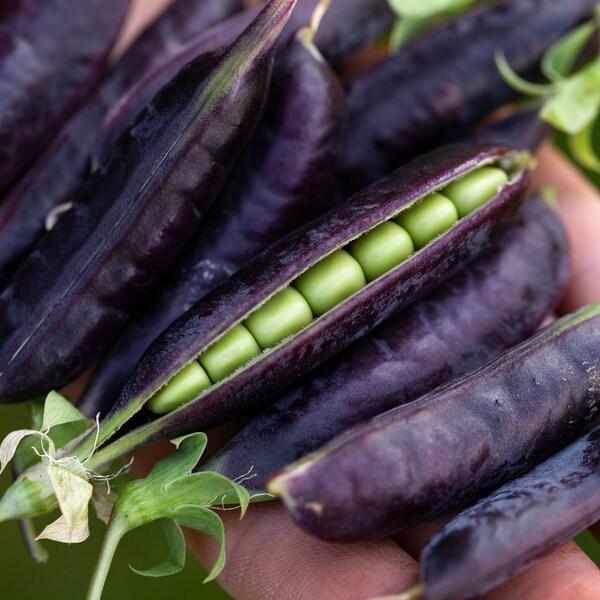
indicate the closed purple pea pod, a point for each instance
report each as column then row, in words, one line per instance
column 446, row 80
column 515, row 526
column 444, row 450
column 71, row 297
column 57, row 174
column 279, row 183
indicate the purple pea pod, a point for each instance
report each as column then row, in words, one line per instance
column 70, row 298
column 421, row 460
column 63, row 168
column 52, row 53
column 56, row 176
column 365, row 19
column 515, row 526
column 278, row 185
column 445, row 80
column 498, row 301
column 314, row 258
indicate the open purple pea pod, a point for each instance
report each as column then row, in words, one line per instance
column 274, row 270
column 70, row 298
column 53, row 52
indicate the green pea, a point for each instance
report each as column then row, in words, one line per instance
column 381, row 249
column 284, row 314
column 330, row 281
column 233, row 350
column 190, row 382
column 428, row 219
column 475, row 189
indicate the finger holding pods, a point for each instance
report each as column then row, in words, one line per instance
column 53, row 53
column 317, row 247
column 515, row 526
column 278, row 184
column 499, row 300
column 442, row 451
column 69, row 300
column 445, row 80
column 56, row 176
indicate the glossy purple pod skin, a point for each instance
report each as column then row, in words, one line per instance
column 69, row 299
column 275, row 268
column 515, row 526
column 499, row 300
column 444, row 450
column 445, row 80
column 58, row 173
column 346, row 27
column 53, row 53
column 278, row 185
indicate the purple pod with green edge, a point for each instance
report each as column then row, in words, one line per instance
column 70, row 298
column 58, row 173
column 445, row 80
column 278, row 184
column 444, row 450
column 53, row 53
column 499, row 300
column 276, row 268
column 516, row 525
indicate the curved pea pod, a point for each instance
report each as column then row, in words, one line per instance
column 515, row 526
column 278, row 185
column 53, row 52
column 445, row 80
column 442, row 451
column 346, row 26
column 69, row 299
column 314, row 260
column 497, row 301
column 56, row 176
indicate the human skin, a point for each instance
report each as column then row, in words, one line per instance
column 268, row 557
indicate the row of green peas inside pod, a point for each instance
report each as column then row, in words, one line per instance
column 329, row 282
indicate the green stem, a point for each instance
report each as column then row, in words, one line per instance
column 114, row 533
column 36, row 550
column 127, row 443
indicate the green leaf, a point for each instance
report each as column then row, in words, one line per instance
column 176, row 548
column 560, row 58
column 206, row 488
column 206, row 521
column 582, row 147
column 518, row 83
column 58, row 410
column 576, row 105
column 189, row 450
